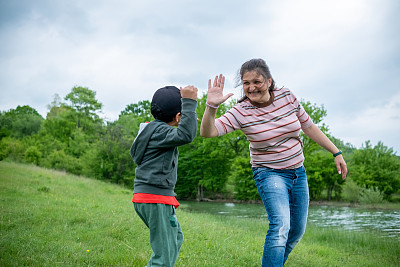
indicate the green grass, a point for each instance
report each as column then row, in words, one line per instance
column 50, row 218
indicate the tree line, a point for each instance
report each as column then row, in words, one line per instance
column 74, row 138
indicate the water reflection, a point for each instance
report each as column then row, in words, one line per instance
column 356, row 219
column 229, row 209
column 353, row 219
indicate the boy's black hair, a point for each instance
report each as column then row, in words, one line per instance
column 166, row 103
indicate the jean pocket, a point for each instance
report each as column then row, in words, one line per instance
column 256, row 170
column 258, row 173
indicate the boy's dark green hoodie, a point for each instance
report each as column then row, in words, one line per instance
column 156, row 154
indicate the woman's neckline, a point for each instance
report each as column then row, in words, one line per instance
column 266, row 104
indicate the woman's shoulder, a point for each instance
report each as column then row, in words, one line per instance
column 280, row 90
column 283, row 92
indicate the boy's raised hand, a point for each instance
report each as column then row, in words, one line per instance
column 189, row 92
column 215, row 95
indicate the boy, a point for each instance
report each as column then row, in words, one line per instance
column 156, row 154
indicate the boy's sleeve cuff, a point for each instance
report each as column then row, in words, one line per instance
column 188, row 103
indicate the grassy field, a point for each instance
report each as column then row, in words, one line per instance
column 49, row 218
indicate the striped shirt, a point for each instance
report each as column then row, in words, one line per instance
column 273, row 131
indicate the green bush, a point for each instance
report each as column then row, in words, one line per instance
column 245, row 186
column 33, row 155
column 93, row 164
column 61, row 161
column 371, row 196
column 351, row 191
column 11, row 148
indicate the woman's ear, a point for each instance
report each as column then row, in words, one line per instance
column 269, row 82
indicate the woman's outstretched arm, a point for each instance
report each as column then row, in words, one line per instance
column 215, row 97
column 321, row 139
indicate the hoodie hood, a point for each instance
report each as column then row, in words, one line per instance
column 138, row 147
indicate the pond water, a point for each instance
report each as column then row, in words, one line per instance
column 385, row 222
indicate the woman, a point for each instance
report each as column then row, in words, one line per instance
column 271, row 118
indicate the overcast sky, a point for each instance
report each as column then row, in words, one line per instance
column 342, row 54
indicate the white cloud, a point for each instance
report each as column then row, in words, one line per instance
column 342, row 54
column 380, row 122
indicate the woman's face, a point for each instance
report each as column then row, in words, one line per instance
column 255, row 87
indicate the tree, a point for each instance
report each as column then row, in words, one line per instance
column 70, row 130
column 114, row 162
column 245, row 186
column 322, row 175
column 59, row 123
column 141, row 110
column 20, row 122
column 321, row 170
column 376, row 168
column 78, row 143
column 83, row 101
column 317, row 114
column 130, row 124
column 204, row 165
column 203, row 168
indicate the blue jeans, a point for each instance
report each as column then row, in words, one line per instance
column 286, row 199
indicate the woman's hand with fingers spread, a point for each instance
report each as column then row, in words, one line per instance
column 215, row 95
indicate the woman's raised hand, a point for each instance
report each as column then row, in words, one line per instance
column 215, row 95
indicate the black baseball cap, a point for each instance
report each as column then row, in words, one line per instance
column 166, row 102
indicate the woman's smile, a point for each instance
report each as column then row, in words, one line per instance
column 255, row 87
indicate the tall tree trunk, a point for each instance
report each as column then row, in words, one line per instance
column 200, row 193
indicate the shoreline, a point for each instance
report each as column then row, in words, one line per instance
column 374, row 206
